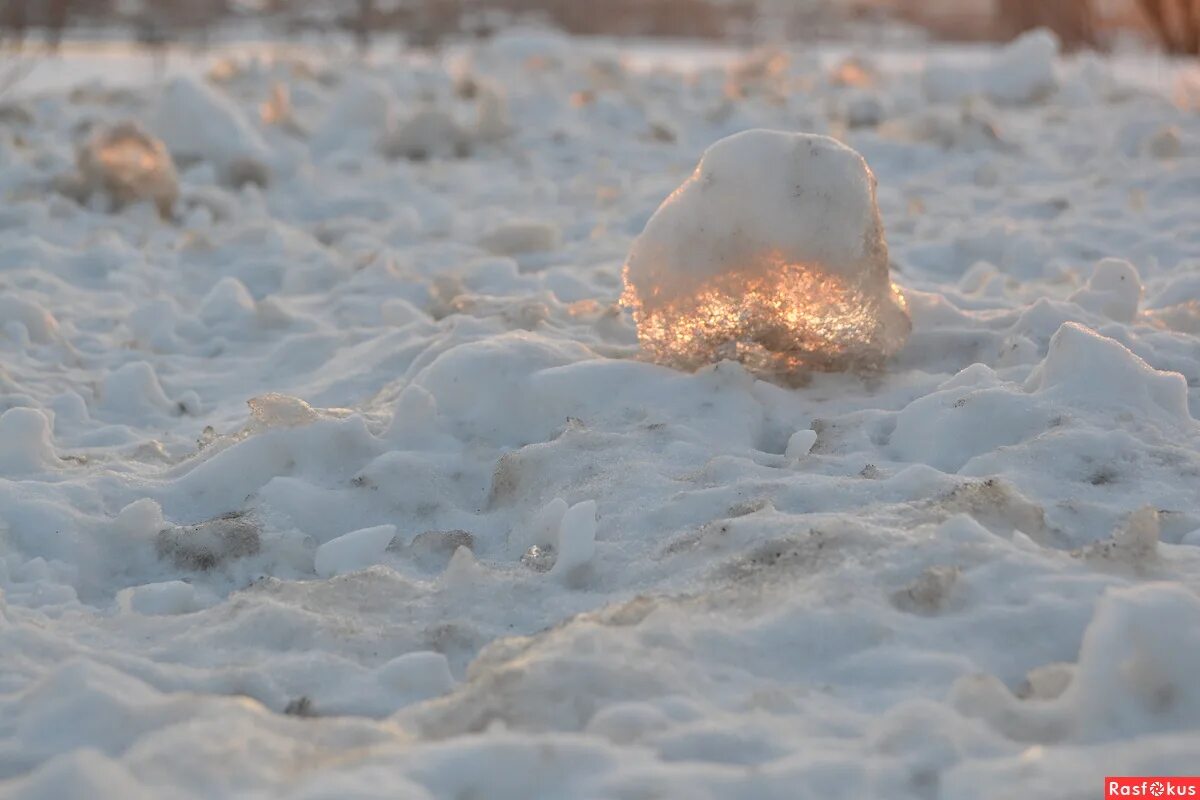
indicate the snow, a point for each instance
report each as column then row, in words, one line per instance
column 357, row 482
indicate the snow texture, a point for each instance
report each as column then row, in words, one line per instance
column 356, row 482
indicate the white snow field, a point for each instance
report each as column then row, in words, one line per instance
column 344, row 478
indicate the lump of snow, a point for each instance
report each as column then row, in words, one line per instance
column 521, row 236
column 1022, row 72
column 353, row 551
column 128, row 165
column 1114, row 290
column 576, row 538
column 133, row 390
column 430, row 133
column 25, row 441
column 800, row 443
column 168, row 597
column 771, row 253
column 198, row 124
column 1086, row 369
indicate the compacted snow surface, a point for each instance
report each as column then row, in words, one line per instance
column 344, row 478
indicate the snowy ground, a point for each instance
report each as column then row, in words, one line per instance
column 979, row 583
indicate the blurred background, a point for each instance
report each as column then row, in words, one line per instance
column 1172, row 25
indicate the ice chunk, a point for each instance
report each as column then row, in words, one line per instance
column 1086, row 369
column 576, row 538
column 771, row 253
column 1114, row 290
column 353, row 551
column 128, row 165
column 198, row 124
column 800, row 443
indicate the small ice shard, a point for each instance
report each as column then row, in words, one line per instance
column 576, row 538
column 353, row 551
column 772, row 253
column 128, row 165
column 800, row 443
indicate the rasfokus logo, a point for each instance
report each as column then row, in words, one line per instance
column 1156, row 786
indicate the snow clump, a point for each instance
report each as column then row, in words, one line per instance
column 128, row 165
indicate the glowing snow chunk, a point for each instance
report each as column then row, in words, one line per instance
column 772, row 253
column 129, row 165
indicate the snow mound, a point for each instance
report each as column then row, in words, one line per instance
column 199, row 124
column 1021, row 73
column 128, row 165
column 771, row 253
column 1085, row 369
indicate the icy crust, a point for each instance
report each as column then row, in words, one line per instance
column 352, row 484
column 772, row 253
